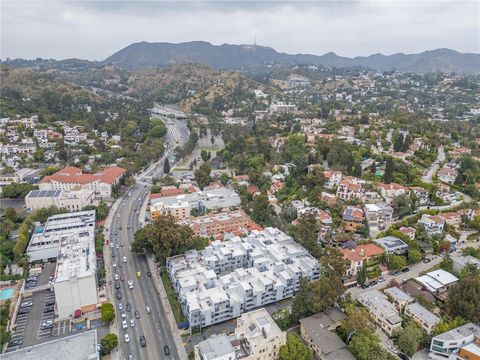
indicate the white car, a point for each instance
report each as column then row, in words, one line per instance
column 124, row 315
column 127, row 338
column 116, row 277
column 130, row 284
column 132, row 322
column 117, row 246
column 114, row 264
column 124, row 259
column 120, row 306
column 111, row 245
column 124, row 324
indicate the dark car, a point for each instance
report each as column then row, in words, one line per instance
column 113, row 255
column 137, row 314
column 406, row 270
column 50, row 303
column 149, row 274
column 166, row 350
column 364, row 286
column 16, row 342
column 117, row 285
column 24, row 310
column 372, row 283
column 396, row 273
column 120, row 228
column 129, row 307
column 48, row 309
column 143, row 342
column 426, row 261
column 119, row 295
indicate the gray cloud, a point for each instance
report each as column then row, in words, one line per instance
column 96, row 29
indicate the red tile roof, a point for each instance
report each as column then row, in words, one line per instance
column 72, row 174
column 362, row 252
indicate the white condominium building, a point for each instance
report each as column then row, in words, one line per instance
column 231, row 277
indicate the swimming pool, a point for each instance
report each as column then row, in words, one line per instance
column 6, row 294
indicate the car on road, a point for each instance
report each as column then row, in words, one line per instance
column 16, row 342
column 116, row 233
column 117, row 246
column 116, row 277
column 128, row 227
column 130, row 284
column 166, row 350
column 149, row 274
column 119, row 295
column 137, row 314
column 117, row 285
column 123, row 314
column 124, row 324
column 139, row 274
column 147, row 308
column 132, row 322
column 130, row 357
column 143, row 342
column 111, row 245
column 114, row 264
column 122, row 244
column 122, row 277
column 120, row 306
column 129, row 307
column 124, row 259
column 120, row 228
column 127, row 338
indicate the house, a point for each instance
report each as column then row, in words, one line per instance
column 390, row 191
column 398, row 297
column 328, row 198
column 350, row 188
column 378, row 214
column 359, row 256
column 452, row 218
column 433, row 224
column 392, row 245
column 321, row 215
column 324, row 344
column 421, row 194
column 461, row 343
column 332, row 178
column 408, row 231
column 460, row 261
column 217, row 163
column 353, row 214
column 437, row 281
column 422, row 316
column 447, row 175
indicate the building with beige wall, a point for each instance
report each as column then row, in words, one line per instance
column 72, row 200
column 180, row 210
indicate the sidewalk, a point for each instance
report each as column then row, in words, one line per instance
column 177, row 338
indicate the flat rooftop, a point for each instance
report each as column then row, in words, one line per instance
column 81, row 346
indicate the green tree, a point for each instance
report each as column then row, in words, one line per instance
column 388, row 174
column 202, row 175
column 362, row 276
column 364, row 344
column 11, row 214
column 414, row 256
column 14, row 190
column 467, row 307
column 166, row 166
column 294, row 349
column 302, row 305
column 108, row 312
column 446, row 324
column 357, row 322
column 396, row 262
column 108, row 343
column 408, row 338
column 224, row 178
column 204, row 155
column 306, row 233
column 262, row 212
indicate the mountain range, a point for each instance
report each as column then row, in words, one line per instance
column 145, row 55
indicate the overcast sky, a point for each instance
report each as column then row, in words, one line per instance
column 96, row 29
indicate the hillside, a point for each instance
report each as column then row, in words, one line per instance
column 145, row 55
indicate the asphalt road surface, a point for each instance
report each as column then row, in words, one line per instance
column 153, row 326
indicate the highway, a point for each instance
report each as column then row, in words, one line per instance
column 125, row 221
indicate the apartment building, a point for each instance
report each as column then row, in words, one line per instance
column 229, row 278
column 378, row 214
column 324, row 344
column 422, row 316
column 433, row 224
column 384, row 313
column 72, row 200
column 236, row 222
column 182, row 205
column 72, row 178
column 45, row 241
column 256, row 336
column 461, row 343
column 398, row 297
column 350, row 188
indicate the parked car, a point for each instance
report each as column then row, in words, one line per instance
column 364, row 286
column 48, row 309
column 27, row 303
column 426, row 261
column 372, row 283
column 24, row 310
column 16, row 342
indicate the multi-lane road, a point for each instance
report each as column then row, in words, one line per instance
column 123, row 222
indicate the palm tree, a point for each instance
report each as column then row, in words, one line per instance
column 468, row 174
column 377, row 352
